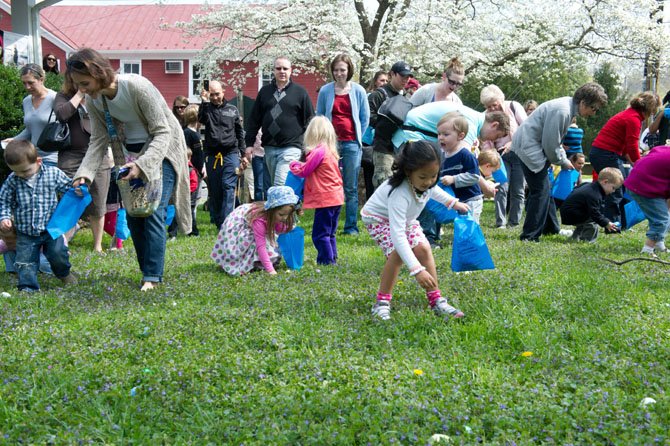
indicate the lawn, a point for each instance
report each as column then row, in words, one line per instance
column 557, row 347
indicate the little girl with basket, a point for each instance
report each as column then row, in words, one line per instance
column 248, row 237
column 323, row 191
column 390, row 216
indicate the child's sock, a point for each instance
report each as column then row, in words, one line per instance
column 433, row 296
column 382, row 296
column 119, row 243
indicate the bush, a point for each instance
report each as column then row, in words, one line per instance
column 11, row 106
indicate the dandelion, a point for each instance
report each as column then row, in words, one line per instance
column 527, row 354
column 418, row 372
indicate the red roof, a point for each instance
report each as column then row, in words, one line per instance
column 124, row 27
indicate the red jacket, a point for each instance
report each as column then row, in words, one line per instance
column 621, row 134
column 192, row 177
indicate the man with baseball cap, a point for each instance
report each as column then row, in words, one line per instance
column 382, row 155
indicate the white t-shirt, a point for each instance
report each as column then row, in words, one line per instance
column 122, row 108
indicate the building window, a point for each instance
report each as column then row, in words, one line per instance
column 267, row 74
column 196, row 81
column 131, row 67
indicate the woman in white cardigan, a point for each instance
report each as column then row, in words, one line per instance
column 155, row 149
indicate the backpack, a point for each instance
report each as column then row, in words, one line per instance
column 391, row 116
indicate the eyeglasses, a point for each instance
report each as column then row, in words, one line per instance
column 76, row 64
column 282, row 68
column 51, row 59
column 180, row 107
column 454, row 83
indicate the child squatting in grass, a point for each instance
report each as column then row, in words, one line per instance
column 390, row 216
column 30, row 195
column 248, row 237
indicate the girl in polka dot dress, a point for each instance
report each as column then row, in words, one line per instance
column 390, row 216
column 248, row 237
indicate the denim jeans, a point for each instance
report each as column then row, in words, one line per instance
column 612, row 207
column 148, row 233
column 28, row 258
column 261, row 178
column 656, row 211
column 540, row 207
column 350, row 162
column 277, row 160
column 323, row 234
column 510, row 196
column 221, row 183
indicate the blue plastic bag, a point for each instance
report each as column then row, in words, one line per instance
column 442, row 213
column 634, row 214
column 292, row 247
column 500, row 175
column 369, row 136
column 296, row 183
column 564, row 184
column 170, row 215
column 70, row 208
column 122, row 231
column 470, row 252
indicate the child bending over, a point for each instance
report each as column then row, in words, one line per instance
column 30, row 194
column 649, row 185
column 390, row 218
column 323, row 186
column 248, row 237
column 582, row 207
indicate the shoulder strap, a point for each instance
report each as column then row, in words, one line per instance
column 511, row 106
column 115, row 141
column 417, row 129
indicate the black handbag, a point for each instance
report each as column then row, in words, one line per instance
column 55, row 136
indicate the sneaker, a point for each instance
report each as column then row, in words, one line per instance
column 70, row 279
column 660, row 247
column 566, row 232
column 649, row 250
column 382, row 310
column 442, row 308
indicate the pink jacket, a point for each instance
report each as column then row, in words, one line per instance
column 323, row 180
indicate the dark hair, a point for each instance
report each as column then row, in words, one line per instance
column 89, row 62
column 646, row 102
column 592, row 94
column 20, row 150
column 373, row 82
column 34, row 70
column 413, row 156
column 666, row 98
column 501, row 118
column 68, row 88
column 347, row 60
column 46, row 66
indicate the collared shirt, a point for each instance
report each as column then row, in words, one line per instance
column 32, row 203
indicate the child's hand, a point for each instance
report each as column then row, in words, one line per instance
column 426, row 281
column 488, row 188
column 6, row 225
column 447, row 180
column 461, row 208
column 613, row 227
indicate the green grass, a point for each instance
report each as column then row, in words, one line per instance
column 297, row 359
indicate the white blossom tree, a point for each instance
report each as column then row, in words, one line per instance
column 490, row 36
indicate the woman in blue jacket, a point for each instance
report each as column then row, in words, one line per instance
column 345, row 103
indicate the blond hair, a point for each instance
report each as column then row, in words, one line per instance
column 457, row 120
column 489, row 157
column 321, row 131
column 190, row 115
column 611, row 174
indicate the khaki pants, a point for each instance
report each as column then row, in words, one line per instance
column 383, row 163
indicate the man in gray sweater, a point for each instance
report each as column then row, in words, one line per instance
column 537, row 142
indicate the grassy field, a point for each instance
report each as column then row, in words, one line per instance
column 557, row 347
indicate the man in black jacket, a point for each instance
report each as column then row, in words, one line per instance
column 282, row 110
column 383, row 154
column 224, row 144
